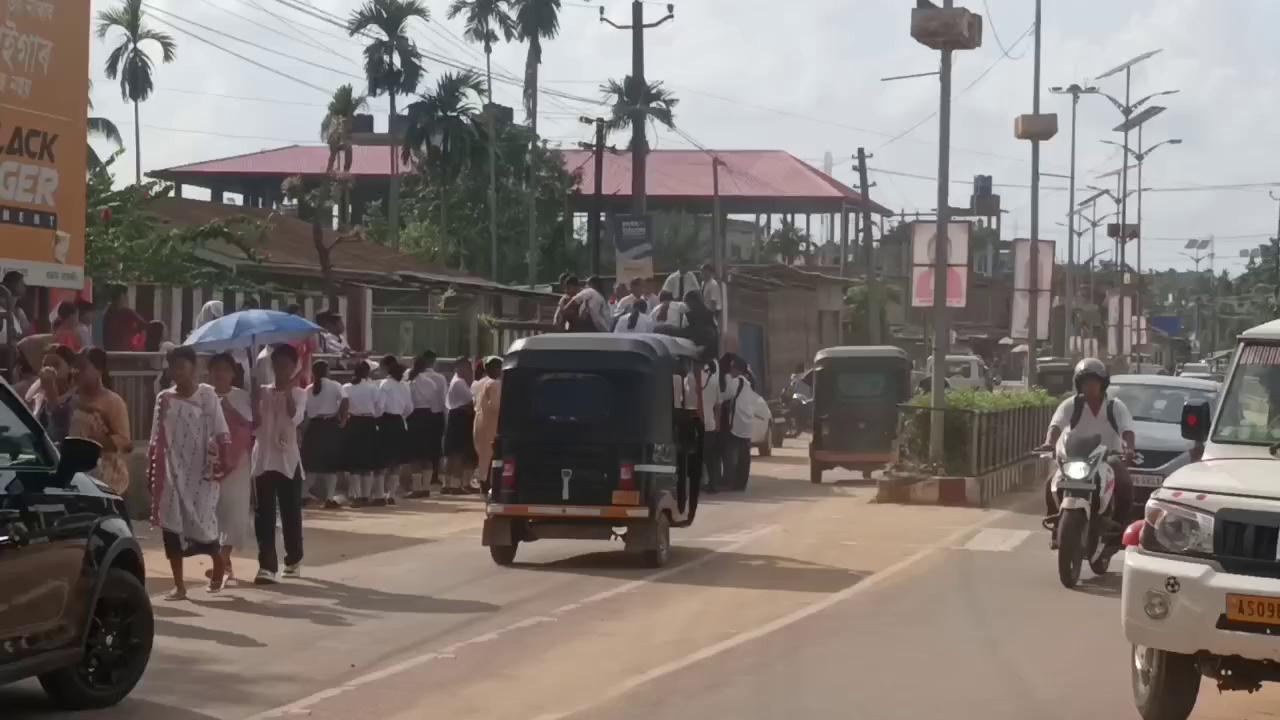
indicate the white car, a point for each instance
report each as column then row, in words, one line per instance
column 1201, row 593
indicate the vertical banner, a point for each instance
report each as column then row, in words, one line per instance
column 924, row 238
column 1020, row 315
column 633, row 246
column 44, row 93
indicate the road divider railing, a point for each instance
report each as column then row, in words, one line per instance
column 987, row 443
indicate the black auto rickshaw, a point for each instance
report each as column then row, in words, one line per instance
column 856, row 395
column 1055, row 376
column 597, row 438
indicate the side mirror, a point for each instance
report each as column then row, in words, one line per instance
column 77, row 455
column 1195, row 421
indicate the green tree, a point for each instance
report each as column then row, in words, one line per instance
column 629, row 98
column 392, row 64
column 100, row 127
column 336, row 130
column 126, row 243
column 536, row 20
column 789, row 243
column 130, row 62
column 441, row 133
column 487, row 23
column 315, row 199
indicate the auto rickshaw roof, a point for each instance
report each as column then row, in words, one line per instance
column 650, row 345
column 1265, row 331
column 863, row 352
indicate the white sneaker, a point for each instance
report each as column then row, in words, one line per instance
column 265, row 577
column 292, row 571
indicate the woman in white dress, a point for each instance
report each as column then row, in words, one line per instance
column 393, row 433
column 189, row 440
column 235, row 517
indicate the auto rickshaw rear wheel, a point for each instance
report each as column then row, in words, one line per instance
column 660, row 554
column 504, row 555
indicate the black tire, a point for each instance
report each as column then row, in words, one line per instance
column 504, row 555
column 659, row 556
column 1072, row 525
column 118, row 647
column 766, row 447
column 777, row 434
column 1101, row 565
column 1165, row 684
column 815, row 473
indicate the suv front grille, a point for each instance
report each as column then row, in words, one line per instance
column 1245, row 542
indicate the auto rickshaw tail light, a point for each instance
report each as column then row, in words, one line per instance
column 627, row 477
column 509, row 474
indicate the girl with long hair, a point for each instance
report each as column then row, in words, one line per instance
column 322, row 433
column 360, row 435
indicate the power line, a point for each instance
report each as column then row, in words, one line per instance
column 966, row 88
column 247, row 59
column 250, row 43
column 213, row 133
column 289, row 35
column 991, row 21
column 310, row 41
column 245, row 98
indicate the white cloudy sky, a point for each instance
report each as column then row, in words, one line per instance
column 736, row 63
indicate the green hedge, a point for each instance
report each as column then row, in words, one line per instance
column 958, row 452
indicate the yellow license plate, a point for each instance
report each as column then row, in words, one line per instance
column 1253, row 609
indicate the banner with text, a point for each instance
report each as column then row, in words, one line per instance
column 44, row 91
column 1020, row 315
column 633, row 246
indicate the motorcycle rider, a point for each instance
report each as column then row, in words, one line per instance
column 1089, row 412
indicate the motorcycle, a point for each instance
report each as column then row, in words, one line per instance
column 1085, row 528
column 797, row 415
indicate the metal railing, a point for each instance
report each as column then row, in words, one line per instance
column 974, row 442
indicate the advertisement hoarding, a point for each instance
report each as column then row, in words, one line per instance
column 1020, row 314
column 44, row 92
column 633, row 247
column 923, row 245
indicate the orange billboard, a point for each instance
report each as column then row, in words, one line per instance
column 44, row 93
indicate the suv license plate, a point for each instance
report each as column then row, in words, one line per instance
column 1151, row 481
column 1253, row 609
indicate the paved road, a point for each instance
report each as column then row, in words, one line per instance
column 788, row 601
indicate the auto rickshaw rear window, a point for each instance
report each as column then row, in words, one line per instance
column 579, row 398
column 854, row 385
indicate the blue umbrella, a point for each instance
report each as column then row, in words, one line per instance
column 249, row 329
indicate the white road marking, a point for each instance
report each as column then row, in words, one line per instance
column 997, row 540
column 734, row 641
column 304, row 705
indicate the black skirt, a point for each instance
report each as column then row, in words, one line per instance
column 322, row 446
column 458, row 431
column 360, row 444
column 426, row 431
column 393, row 441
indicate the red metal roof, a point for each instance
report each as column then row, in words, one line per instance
column 744, row 174
column 367, row 161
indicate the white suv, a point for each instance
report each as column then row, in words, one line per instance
column 1201, row 592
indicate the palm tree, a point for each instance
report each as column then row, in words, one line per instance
column 130, row 62
column 536, row 20
column 628, row 98
column 393, row 65
column 484, row 20
column 100, row 127
column 441, row 126
column 335, row 130
column 788, row 242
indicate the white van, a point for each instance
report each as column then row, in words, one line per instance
column 964, row 372
column 1201, row 593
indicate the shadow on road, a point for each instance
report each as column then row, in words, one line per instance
column 31, row 704
column 730, row 569
column 1105, row 586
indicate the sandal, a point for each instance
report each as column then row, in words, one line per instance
column 215, row 585
column 176, row 594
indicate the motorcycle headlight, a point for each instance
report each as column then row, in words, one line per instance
column 1179, row 529
column 1077, row 470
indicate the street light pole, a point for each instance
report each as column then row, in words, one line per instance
column 1075, row 91
column 1275, row 253
column 941, row 326
column 1033, row 324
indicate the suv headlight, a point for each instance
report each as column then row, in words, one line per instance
column 1077, row 470
column 1178, row 529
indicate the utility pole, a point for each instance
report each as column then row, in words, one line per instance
column 873, row 282
column 1075, row 91
column 597, row 198
column 640, row 88
column 1275, row 254
column 718, row 249
column 1033, row 324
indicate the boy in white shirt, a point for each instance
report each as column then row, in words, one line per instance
column 740, row 399
column 277, row 468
